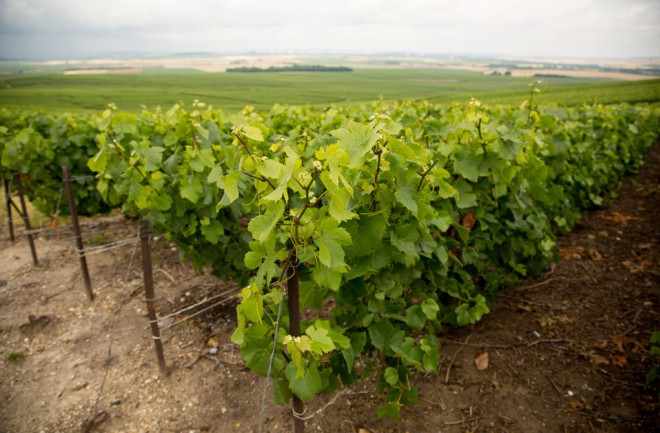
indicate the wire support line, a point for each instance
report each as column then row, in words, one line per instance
column 203, row 301
column 124, row 300
column 83, row 178
column 88, row 251
column 198, row 313
column 270, row 367
column 304, row 417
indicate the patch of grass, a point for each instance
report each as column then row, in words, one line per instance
column 13, row 356
column 97, row 240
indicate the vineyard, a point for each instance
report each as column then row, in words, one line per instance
column 355, row 238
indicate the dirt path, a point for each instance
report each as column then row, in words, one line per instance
column 567, row 352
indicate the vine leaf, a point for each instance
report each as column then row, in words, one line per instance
column 306, row 386
column 261, row 226
column 330, row 242
column 357, row 141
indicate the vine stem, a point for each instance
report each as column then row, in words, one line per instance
column 243, row 143
column 428, row 170
column 372, row 206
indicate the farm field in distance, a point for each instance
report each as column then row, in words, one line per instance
column 57, row 91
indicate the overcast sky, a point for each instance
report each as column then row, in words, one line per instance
column 51, row 29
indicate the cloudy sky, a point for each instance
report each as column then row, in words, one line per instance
column 52, row 29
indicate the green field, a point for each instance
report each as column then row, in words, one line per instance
column 232, row 91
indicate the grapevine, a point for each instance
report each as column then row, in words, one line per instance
column 398, row 219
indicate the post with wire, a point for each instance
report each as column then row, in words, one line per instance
column 293, row 289
column 149, row 294
column 9, row 203
column 26, row 219
column 80, row 249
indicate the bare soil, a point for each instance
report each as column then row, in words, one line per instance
column 566, row 352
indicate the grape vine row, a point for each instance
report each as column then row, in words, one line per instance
column 398, row 218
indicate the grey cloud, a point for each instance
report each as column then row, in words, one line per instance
column 518, row 27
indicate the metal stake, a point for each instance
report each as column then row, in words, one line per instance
column 80, row 249
column 149, row 294
column 26, row 219
column 10, row 222
column 293, row 289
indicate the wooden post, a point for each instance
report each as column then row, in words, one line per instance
column 149, row 294
column 293, row 289
column 26, row 219
column 10, row 222
column 80, row 249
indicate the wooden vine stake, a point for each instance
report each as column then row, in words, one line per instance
column 26, row 219
column 149, row 294
column 80, row 249
column 8, row 202
column 293, row 289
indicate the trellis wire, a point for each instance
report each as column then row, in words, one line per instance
column 198, row 313
column 123, row 302
column 270, row 367
column 97, row 249
column 203, row 301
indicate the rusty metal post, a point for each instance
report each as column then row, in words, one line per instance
column 26, row 219
column 80, row 249
column 293, row 289
column 10, row 222
column 149, row 294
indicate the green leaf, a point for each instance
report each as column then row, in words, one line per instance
column 216, row 176
column 466, row 163
column 306, row 386
column 321, row 341
column 231, row 185
column 390, row 410
column 431, row 358
column 445, row 190
column 270, row 168
column 380, row 334
column 430, row 308
column 192, row 190
column 410, row 354
column 161, row 202
column 281, row 392
column 253, row 133
column 404, row 238
column 338, row 200
column 357, row 342
column 405, row 193
column 367, row 235
column 213, row 231
column 283, row 180
column 391, row 376
column 357, row 141
column 410, row 151
column 326, row 277
column 415, row 317
column 261, row 226
column 466, row 197
column 139, row 194
column 252, row 303
column 98, row 162
column 330, row 241
column 125, row 123
column 152, row 158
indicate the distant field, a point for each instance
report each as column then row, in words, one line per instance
column 236, row 90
